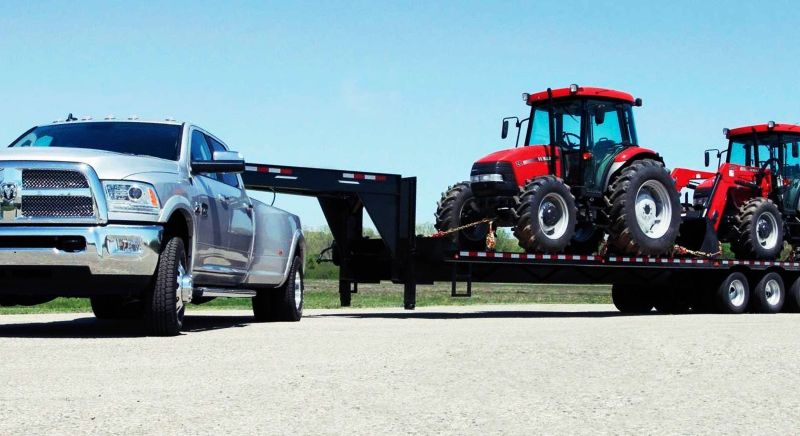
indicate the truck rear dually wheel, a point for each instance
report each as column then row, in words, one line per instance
column 164, row 305
column 284, row 303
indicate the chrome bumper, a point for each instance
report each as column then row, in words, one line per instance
column 96, row 255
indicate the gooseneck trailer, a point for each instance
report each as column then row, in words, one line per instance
column 671, row 284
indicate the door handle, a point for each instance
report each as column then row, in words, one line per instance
column 226, row 198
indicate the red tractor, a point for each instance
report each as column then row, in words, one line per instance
column 579, row 175
column 753, row 199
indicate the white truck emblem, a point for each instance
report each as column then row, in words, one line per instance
column 9, row 191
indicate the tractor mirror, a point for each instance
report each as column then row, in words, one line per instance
column 708, row 159
column 504, row 132
column 795, row 150
column 599, row 118
column 637, row 102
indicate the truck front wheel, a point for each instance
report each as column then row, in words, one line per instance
column 284, row 303
column 164, row 305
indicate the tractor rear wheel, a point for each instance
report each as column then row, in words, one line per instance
column 758, row 231
column 644, row 210
column 456, row 208
column 547, row 216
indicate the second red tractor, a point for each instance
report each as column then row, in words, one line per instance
column 579, row 175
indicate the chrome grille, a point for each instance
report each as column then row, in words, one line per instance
column 52, row 179
column 56, row 206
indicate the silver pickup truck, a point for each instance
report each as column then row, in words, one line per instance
column 142, row 218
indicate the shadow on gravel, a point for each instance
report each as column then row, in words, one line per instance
column 474, row 315
column 91, row 327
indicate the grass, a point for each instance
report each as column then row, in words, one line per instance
column 324, row 294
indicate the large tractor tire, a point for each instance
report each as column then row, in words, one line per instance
column 644, row 210
column 456, row 208
column 758, row 231
column 547, row 216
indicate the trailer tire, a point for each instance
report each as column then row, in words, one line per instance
column 115, row 307
column 769, row 294
column 164, row 305
column 456, row 208
column 669, row 300
column 631, row 299
column 642, row 190
column 547, row 216
column 792, row 303
column 758, row 230
column 732, row 295
column 284, row 303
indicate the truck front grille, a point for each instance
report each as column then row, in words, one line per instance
column 56, row 206
column 50, row 179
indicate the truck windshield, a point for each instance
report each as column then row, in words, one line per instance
column 148, row 139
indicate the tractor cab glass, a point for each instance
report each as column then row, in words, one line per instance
column 776, row 152
column 588, row 132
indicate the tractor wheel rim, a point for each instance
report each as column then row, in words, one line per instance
column 767, row 230
column 653, row 209
column 469, row 215
column 553, row 216
column 298, row 290
column 736, row 293
column 772, row 292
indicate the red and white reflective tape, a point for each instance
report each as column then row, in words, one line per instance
column 269, row 170
column 622, row 259
column 361, row 176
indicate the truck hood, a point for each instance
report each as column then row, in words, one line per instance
column 108, row 165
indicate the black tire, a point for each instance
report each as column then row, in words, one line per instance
column 732, row 295
column 769, row 294
column 625, row 234
column 755, row 218
column 115, row 307
column 457, row 207
column 792, row 303
column 164, row 309
column 533, row 231
column 631, row 299
column 586, row 239
column 282, row 304
column 671, row 300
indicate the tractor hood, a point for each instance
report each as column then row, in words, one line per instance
column 516, row 156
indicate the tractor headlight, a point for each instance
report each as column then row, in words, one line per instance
column 486, row 178
column 131, row 197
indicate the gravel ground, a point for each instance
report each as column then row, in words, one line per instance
column 456, row 370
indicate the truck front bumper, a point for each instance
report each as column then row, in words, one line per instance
column 68, row 260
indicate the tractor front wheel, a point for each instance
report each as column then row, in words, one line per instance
column 547, row 216
column 758, row 232
column 644, row 210
column 456, row 208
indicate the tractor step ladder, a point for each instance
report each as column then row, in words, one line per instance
column 461, row 273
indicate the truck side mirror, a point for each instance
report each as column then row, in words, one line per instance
column 708, row 159
column 795, row 150
column 504, row 132
column 224, row 162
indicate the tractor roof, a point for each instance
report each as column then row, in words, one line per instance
column 582, row 91
column 763, row 128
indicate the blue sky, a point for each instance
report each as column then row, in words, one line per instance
column 416, row 88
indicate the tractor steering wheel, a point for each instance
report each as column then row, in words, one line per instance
column 565, row 137
column 769, row 161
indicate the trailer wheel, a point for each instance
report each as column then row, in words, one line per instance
column 115, row 307
column 284, row 303
column 769, row 294
column 671, row 300
column 732, row 295
column 792, row 303
column 631, row 299
column 164, row 306
column 644, row 210
column 547, row 216
column 758, row 230
column 456, row 208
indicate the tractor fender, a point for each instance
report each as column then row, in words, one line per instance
column 628, row 156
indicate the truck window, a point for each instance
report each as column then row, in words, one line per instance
column 226, row 178
column 201, row 150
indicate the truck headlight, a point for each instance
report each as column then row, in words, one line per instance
column 486, row 178
column 131, row 197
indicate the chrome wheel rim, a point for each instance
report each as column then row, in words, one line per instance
column 653, row 209
column 181, row 283
column 767, row 230
column 553, row 215
column 772, row 292
column 298, row 290
column 736, row 293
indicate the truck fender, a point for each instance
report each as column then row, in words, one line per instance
column 298, row 246
column 178, row 204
